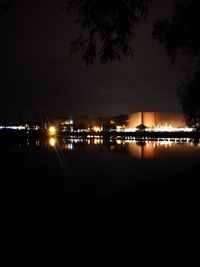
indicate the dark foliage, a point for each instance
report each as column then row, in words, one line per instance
column 181, row 36
column 189, row 96
column 109, row 27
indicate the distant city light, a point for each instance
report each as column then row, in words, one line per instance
column 97, row 129
column 130, row 129
column 52, row 130
column 20, row 127
column 169, row 129
column 161, row 129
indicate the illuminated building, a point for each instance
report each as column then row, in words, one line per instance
column 63, row 125
column 66, row 125
column 157, row 120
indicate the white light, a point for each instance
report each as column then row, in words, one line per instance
column 130, row 129
column 15, row 127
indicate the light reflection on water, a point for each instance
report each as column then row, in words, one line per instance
column 52, row 141
column 90, row 167
column 140, row 149
column 100, row 166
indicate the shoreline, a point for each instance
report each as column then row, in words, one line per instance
column 195, row 135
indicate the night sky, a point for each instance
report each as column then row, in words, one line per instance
column 38, row 75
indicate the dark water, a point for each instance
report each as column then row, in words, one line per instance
column 50, row 217
column 90, row 167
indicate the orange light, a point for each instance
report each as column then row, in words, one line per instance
column 97, row 129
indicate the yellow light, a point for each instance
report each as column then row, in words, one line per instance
column 97, row 129
column 95, row 141
column 52, row 130
column 52, row 141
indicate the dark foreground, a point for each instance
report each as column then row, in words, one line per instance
column 154, row 222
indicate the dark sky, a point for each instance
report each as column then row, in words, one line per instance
column 38, row 74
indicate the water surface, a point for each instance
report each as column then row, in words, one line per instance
column 89, row 167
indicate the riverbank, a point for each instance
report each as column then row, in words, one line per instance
column 17, row 134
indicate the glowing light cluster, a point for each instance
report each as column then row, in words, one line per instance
column 131, row 130
column 161, row 129
column 170, row 129
column 67, row 122
column 52, row 130
column 97, row 128
column 20, row 127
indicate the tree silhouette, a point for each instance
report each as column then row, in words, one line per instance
column 180, row 36
column 189, row 98
column 109, row 27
